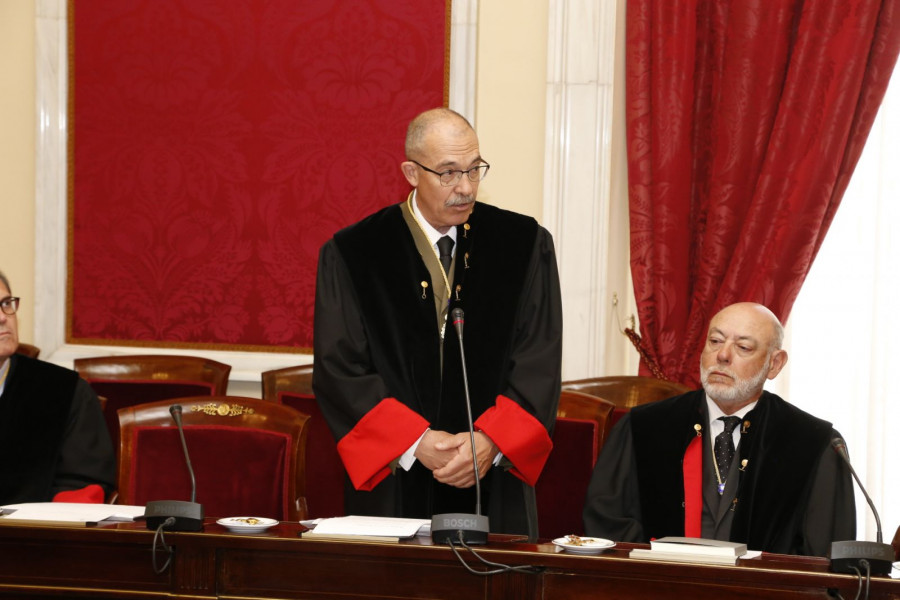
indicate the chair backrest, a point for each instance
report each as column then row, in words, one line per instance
column 247, row 455
column 28, row 350
column 582, row 425
column 627, row 391
column 296, row 380
column 574, row 405
column 138, row 379
column 325, row 472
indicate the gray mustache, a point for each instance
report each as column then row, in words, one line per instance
column 458, row 200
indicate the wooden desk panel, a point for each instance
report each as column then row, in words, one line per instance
column 327, row 569
column 115, row 562
column 96, row 562
column 339, row 574
column 771, row 577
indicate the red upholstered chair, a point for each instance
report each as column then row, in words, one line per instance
column 28, row 350
column 583, row 422
column 247, row 455
column 138, row 379
column 324, row 470
column 627, row 391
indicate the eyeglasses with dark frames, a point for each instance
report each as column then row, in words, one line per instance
column 452, row 177
column 9, row 305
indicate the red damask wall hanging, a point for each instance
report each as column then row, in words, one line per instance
column 215, row 146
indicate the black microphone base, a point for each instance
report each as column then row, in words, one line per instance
column 845, row 556
column 188, row 515
column 446, row 528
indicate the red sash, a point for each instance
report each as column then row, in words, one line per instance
column 692, row 467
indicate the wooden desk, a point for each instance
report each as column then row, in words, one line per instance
column 114, row 561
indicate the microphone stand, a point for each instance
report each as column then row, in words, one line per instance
column 187, row 516
column 448, row 528
column 854, row 556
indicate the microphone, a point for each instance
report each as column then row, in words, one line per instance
column 188, row 516
column 468, row 528
column 848, row 556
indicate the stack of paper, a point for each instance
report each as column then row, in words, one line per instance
column 67, row 513
column 693, row 550
column 381, row 529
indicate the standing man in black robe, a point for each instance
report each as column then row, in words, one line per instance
column 667, row 468
column 387, row 371
column 53, row 438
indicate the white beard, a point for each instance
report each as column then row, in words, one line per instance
column 741, row 391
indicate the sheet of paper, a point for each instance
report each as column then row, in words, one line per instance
column 69, row 511
column 373, row 526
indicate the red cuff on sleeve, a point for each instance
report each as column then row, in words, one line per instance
column 383, row 434
column 521, row 437
column 90, row 494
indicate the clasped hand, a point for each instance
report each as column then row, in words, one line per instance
column 449, row 456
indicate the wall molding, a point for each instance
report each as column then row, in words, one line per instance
column 588, row 222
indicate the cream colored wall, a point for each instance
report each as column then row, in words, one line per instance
column 17, row 126
column 510, row 101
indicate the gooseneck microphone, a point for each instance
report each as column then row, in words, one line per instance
column 188, row 516
column 448, row 528
column 848, row 556
column 458, row 322
column 175, row 410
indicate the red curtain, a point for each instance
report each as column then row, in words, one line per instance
column 744, row 123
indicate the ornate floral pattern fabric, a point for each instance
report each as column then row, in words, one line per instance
column 217, row 145
column 744, row 123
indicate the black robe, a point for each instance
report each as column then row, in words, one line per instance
column 794, row 496
column 53, row 437
column 377, row 338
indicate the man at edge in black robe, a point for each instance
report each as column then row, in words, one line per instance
column 53, row 437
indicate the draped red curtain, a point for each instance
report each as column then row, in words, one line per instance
column 745, row 120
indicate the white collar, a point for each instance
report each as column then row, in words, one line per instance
column 715, row 412
column 431, row 233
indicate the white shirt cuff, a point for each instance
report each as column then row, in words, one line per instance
column 408, row 458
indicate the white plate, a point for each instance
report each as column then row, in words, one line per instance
column 247, row 524
column 587, row 545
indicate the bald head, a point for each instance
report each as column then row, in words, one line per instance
column 756, row 317
column 431, row 121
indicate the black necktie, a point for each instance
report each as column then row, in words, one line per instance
column 724, row 449
column 445, row 250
